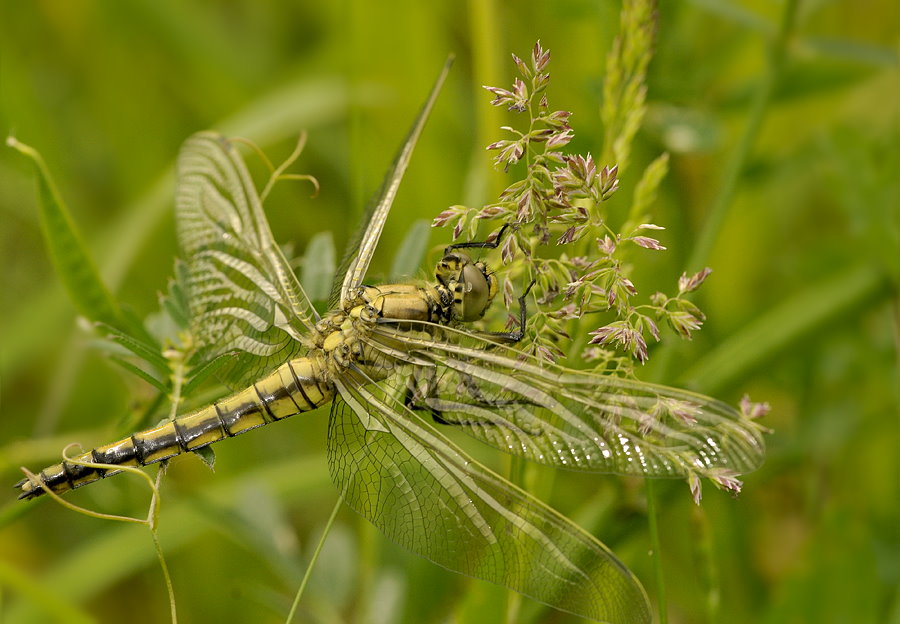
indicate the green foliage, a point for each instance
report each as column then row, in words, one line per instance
column 801, row 306
column 73, row 263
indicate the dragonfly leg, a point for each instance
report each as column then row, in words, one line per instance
column 422, row 398
column 516, row 335
column 414, row 397
column 442, row 412
column 493, row 244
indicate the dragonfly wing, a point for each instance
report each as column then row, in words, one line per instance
column 427, row 495
column 244, row 299
column 362, row 246
column 570, row 419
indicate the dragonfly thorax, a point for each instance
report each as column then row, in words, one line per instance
column 469, row 286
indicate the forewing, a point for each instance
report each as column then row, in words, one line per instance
column 244, row 299
column 362, row 246
column 427, row 495
column 570, row 419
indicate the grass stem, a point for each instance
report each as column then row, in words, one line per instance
column 656, row 552
column 315, row 557
column 710, row 233
column 725, row 197
column 735, row 165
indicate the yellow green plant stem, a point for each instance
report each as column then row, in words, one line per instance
column 713, row 225
column 707, row 560
column 151, row 521
column 312, row 561
column 655, row 552
column 812, row 307
column 294, row 478
column 487, row 43
column 735, row 164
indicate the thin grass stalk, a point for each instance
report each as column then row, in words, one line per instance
column 153, row 523
column 312, row 561
column 710, row 233
column 656, row 552
column 487, row 50
column 705, row 549
column 725, row 197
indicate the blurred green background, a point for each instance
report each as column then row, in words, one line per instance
column 803, row 307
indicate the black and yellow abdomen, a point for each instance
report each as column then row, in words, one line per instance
column 300, row 385
column 297, row 386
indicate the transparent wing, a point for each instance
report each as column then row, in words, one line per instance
column 243, row 297
column 427, row 495
column 362, row 246
column 565, row 418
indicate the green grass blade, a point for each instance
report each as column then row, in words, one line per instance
column 799, row 316
column 738, row 159
column 735, row 165
column 74, row 265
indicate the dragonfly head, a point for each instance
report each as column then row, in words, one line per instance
column 470, row 284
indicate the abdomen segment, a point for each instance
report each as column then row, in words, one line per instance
column 296, row 386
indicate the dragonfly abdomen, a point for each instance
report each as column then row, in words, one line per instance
column 294, row 387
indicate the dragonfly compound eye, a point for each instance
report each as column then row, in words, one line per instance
column 472, row 293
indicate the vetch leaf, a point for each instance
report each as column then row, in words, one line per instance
column 174, row 302
column 147, row 352
column 208, row 455
column 199, row 374
column 139, row 372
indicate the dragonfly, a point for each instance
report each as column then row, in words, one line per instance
column 400, row 365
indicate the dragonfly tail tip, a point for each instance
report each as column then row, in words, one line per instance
column 26, row 491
